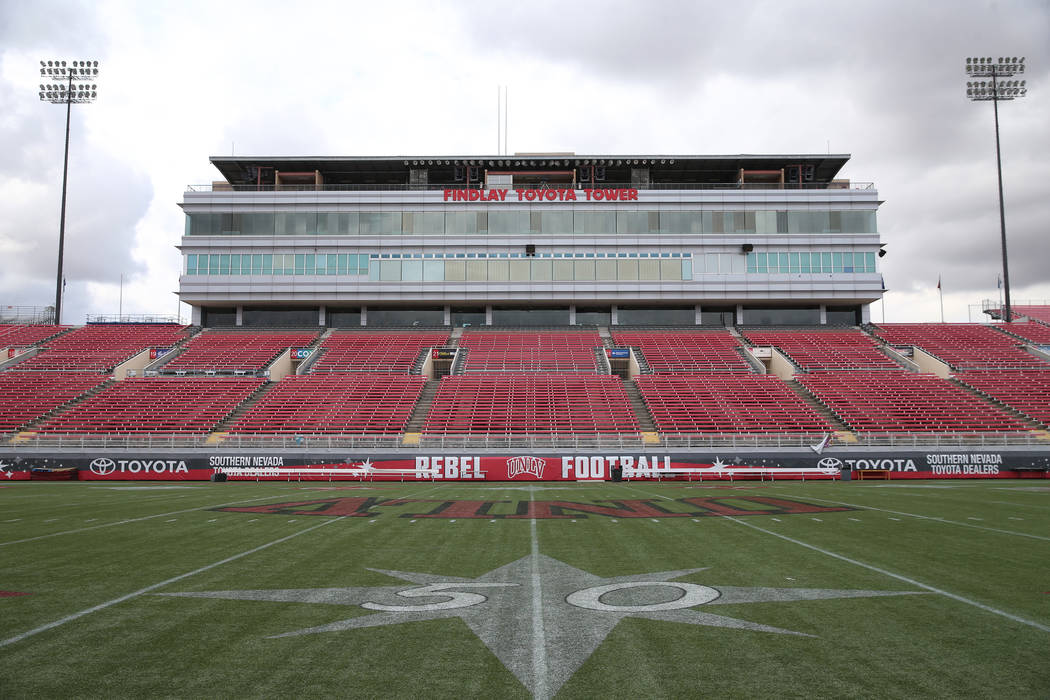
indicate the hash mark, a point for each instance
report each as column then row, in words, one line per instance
column 973, row 518
column 777, row 520
column 171, row 521
column 856, row 520
column 817, row 519
column 411, row 521
column 12, row 520
column 213, row 520
column 892, row 518
column 1011, row 518
column 654, row 520
column 451, row 521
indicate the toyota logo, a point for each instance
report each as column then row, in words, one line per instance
column 830, row 463
column 103, row 466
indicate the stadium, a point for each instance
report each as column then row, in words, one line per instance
column 663, row 366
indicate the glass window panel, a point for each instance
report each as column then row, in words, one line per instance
column 687, row 269
column 648, row 269
column 786, row 317
column 783, row 262
column 656, row 316
column 425, row 223
column 671, row 269
column 765, row 222
column 224, row 264
column 869, row 262
column 542, row 270
column 594, row 222
column 191, row 264
column 509, row 222
column 373, row 270
column 825, row 259
column 772, row 263
column 627, row 269
column 520, row 270
column 379, row 223
column 455, row 270
column 583, row 270
column 267, row 265
column 782, row 222
column 477, row 270
column 531, row 316
column 235, row 264
column 433, row 270
column 390, row 270
column 299, row 263
column 632, row 222
column 563, row 271
column 499, row 270
column 605, row 270
column 556, row 222
column 461, row 222
column 752, row 262
column 836, row 262
column 681, row 222
column 412, row 270
column 213, row 264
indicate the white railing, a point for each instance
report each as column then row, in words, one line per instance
column 541, row 441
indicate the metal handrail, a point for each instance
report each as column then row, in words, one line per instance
column 321, row 442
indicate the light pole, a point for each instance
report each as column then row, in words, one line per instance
column 70, row 86
column 996, row 90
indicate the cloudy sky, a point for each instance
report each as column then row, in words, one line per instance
column 883, row 81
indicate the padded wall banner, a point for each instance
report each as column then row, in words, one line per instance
column 524, row 466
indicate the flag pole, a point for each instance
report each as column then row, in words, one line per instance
column 940, row 293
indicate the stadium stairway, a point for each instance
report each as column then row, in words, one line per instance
column 825, row 412
column 33, row 424
column 419, row 413
column 243, row 407
column 606, row 336
column 1032, row 424
column 643, row 365
column 641, row 410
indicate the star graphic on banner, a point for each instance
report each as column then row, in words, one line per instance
column 719, row 464
column 4, row 469
column 542, row 618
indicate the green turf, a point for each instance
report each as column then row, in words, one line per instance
column 976, row 553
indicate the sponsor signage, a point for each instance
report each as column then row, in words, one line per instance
column 443, row 353
column 154, row 353
column 589, row 194
column 619, row 352
column 301, row 353
column 522, row 466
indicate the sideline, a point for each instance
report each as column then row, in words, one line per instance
column 155, row 586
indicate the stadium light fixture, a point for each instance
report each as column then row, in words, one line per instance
column 71, row 84
column 997, row 90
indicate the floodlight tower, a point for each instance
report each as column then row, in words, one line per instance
column 996, row 90
column 71, row 85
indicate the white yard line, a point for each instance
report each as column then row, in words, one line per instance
column 807, row 497
column 155, row 586
column 899, row 577
column 134, row 520
column 539, row 641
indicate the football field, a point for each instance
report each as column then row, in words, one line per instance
column 627, row 590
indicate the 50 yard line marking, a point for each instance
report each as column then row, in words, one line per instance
column 539, row 641
column 155, row 586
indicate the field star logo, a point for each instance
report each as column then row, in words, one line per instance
column 542, row 618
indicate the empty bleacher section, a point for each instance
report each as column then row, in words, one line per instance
column 341, row 404
column 154, row 406
column 530, row 403
column 21, row 336
column 891, row 401
column 727, row 402
column 355, row 351
column 817, row 350
column 1032, row 332
column 101, row 347
column 961, row 345
column 1026, row 391
column 686, row 351
column 28, row 396
column 1039, row 313
column 234, row 352
column 530, row 351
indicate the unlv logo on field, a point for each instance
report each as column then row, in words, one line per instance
column 525, row 465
